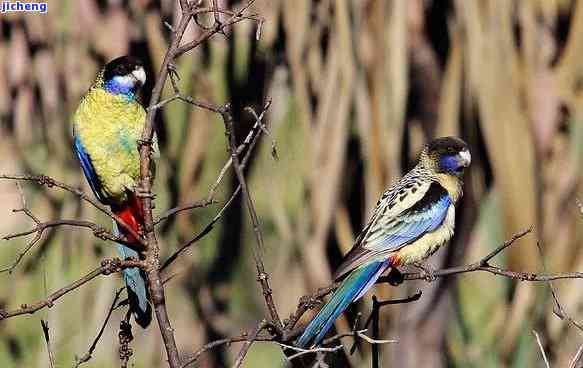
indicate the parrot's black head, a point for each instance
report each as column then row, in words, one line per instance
column 449, row 155
column 124, row 76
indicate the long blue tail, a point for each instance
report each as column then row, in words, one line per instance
column 351, row 289
column 136, row 286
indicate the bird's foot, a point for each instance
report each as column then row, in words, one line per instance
column 428, row 272
column 174, row 76
column 142, row 142
column 174, row 69
column 395, row 277
column 141, row 193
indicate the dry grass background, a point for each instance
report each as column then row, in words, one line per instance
column 357, row 87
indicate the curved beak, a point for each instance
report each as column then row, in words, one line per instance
column 465, row 158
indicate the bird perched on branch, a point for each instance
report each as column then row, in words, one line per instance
column 106, row 128
column 412, row 219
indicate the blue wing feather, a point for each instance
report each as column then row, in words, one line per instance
column 88, row 169
column 385, row 235
column 351, row 289
column 412, row 225
column 364, row 264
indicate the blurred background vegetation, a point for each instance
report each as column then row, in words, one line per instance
column 357, row 87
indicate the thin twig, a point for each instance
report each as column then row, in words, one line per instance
column 218, row 28
column 108, row 266
column 148, row 244
column 88, row 355
column 542, row 350
column 558, row 310
column 356, row 334
column 249, row 144
column 520, row 276
column 247, row 345
column 152, row 253
column 483, row 265
column 226, row 341
column 310, row 301
column 262, row 276
column 45, row 327
column 374, row 317
column 49, row 182
column 577, row 357
column 207, row 229
column 484, row 261
column 270, row 338
column 379, row 304
column 259, row 125
column 374, row 341
column 40, row 228
column 190, row 206
column 301, row 351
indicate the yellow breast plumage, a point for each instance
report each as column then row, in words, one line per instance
column 109, row 127
column 429, row 243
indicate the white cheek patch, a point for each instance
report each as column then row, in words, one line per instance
column 140, row 75
column 466, row 157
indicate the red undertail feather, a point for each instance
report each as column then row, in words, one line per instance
column 132, row 213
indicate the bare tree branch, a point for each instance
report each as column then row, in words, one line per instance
column 271, row 338
column 148, row 243
column 542, row 350
column 50, row 183
column 108, row 266
column 577, row 358
column 87, row 356
column 311, row 301
column 226, row 341
column 248, row 145
column 40, row 228
column 187, row 207
column 302, row 351
column 152, row 252
column 262, row 276
column 207, row 229
column 247, row 345
column 236, row 17
column 558, row 309
column 45, row 326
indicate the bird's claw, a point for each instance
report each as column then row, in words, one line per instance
column 395, row 277
column 173, row 69
column 141, row 193
column 143, row 142
column 428, row 272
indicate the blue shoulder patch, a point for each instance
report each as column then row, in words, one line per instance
column 88, row 169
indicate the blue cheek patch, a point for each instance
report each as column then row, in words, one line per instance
column 119, row 86
column 449, row 163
